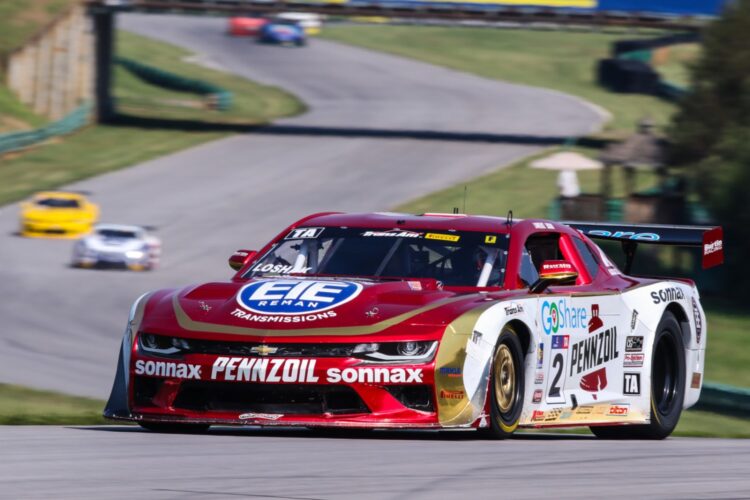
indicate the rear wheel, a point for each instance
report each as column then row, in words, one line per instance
column 667, row 386
column 506, row 385
column 170, row 428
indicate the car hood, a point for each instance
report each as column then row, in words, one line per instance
column 313, row 306
column 56, row 214
column 113, row 244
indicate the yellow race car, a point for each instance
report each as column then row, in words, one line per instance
column 57, row 214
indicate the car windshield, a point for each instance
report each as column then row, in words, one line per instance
column 115, row 233
column 454, row 258
column 58, row 203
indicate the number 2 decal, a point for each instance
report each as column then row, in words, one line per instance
column 557, row 365
column 555, row 394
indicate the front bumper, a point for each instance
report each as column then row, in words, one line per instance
column 309, row 392
column 112, row 260
column 54, row 229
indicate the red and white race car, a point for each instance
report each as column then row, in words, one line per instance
column 433, row 321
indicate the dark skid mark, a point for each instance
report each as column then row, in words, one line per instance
column 242, row 495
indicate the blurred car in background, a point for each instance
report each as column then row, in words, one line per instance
column 57, row 214
column 245, row 25
column 310, row 22
column 282, row 33
column 118, row 246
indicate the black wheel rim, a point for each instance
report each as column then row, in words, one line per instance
column 664, row 378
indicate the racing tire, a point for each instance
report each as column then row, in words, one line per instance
column 506, row 385
column 170, row 428
column 667, row 386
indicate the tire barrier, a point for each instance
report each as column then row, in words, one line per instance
column 724, row 399
column 217, row 97
column 14, row 141
column 627, row 76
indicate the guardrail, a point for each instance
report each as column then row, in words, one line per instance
column 219, row 98
column 724, row 399
column 13, row 141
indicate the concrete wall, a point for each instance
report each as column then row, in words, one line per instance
column 54, row 72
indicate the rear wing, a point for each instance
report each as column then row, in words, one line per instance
column 709, row 238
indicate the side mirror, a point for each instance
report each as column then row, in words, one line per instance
column 241, row 257
column 554, row 272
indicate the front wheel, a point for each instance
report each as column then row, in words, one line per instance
column 667, row 386
column 506, row 385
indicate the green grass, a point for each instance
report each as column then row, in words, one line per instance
column 560, row 60
column 99, row 149
column 727, row 355
column 706, row 424
column 15, row 116
column 23, row 406
column 526, row 191
column 252, row 103
column 19, row 20
column 675, row 68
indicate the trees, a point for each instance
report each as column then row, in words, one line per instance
column 710, row 134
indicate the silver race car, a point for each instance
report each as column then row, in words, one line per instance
column 118, row 246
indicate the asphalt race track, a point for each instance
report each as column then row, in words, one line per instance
column 60, row 327
column 380, row 130
column 120, row 462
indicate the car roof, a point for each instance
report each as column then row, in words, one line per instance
column 432, row 221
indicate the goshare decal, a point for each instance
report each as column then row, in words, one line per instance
column 296, row 297
column 557, row 316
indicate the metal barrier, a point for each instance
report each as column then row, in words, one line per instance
column 218, row 97
column 13, row 141
column 724, row 399
column 664, row 89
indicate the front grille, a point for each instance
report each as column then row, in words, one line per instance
column 265, row 398
column 415, row 397
column 144, row 390
column 219, row 347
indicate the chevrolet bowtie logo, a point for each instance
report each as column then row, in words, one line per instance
column 264, row 350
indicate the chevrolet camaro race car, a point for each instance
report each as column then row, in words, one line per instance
column 57, row 214
column 433, row 321
column 116, row 245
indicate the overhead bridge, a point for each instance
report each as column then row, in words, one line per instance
column 574, row 12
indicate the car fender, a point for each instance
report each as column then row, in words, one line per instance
column 117, row 406
column 648, row 305
column 468, row 344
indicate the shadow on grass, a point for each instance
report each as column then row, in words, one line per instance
column 126, row 120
